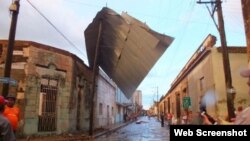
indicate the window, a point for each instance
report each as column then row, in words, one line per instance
column 119, row 110
column 100, row 108
column 112, row 111
column 47, row 104
column 202, row 83
column 108, row 110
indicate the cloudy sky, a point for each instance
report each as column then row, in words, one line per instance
column 61, row 23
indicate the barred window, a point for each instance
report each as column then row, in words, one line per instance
column 100, row 108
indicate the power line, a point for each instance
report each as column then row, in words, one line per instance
column 64, row 36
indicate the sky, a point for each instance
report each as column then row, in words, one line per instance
column 61, row 24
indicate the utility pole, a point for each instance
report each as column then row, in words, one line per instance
column 230, row 91
column 14, row 8
column 93, row 86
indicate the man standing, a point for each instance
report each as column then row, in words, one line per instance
column 162, row 119
column 12, row 112
column 244, row 116
column 6, row 133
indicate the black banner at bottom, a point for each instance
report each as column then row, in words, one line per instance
column 187, row 132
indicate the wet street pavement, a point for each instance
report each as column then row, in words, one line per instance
column 143, row 130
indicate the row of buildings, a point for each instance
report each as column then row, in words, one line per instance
column 58, row 93
column 53, row 91
column 203, row 79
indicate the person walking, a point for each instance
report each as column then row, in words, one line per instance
column 162, row 119
column 6, row 132
column 12, row 112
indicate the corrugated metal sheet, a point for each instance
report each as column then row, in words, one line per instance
column 128, row 48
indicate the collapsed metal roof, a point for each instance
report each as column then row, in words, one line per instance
column 128, row 48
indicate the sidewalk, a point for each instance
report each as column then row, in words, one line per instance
column 77, row 136
column 112, row 128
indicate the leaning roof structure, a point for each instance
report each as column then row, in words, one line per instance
column 128, row 48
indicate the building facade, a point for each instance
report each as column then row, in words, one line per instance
column 202, row 79
column 123, row 106
column 52, row 90
column 106, row 108
column 137, row 102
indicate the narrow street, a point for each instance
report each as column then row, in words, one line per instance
column 88, row 70
column 146, row 130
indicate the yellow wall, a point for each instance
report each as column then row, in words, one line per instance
column 238, row 61
column 211, row 68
